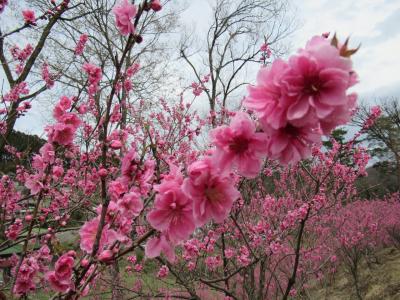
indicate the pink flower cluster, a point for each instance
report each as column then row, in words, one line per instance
column 16, row 92
column 64, row 130
column 94, row 76
column 163, row 272
column 25, row 279
column 265, row 52
column 124, row 14
column 172, row 213
column 239, row 145
column 61, row 278
column 47, row 77
column 182, row 204
column 21, row 56
column 29, row 16
column 299, row 100
column 14, row 229
column 80, row 46
column 374, row 115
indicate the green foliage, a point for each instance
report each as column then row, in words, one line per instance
column 339, row 135
column 27, row 144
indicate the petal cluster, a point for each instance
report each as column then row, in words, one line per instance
column 302, row 99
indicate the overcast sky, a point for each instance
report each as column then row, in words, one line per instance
column 373, row 23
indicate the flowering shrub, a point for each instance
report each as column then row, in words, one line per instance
column 247, row 217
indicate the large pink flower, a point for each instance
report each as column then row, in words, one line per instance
column 63, row 267
column 212, row 191
column 240, row 145
column 317, row 81
column 172, row 211
column 266, row 98
column 291, row 144
column 124, row 13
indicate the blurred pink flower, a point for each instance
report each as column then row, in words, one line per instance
column 29, row 16
column 124, row 13
column 157, row 245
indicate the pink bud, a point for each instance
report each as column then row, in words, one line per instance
column 156, row 5
column 84, row 262
column 102, row 172
column 28, row 218
column 106, row 256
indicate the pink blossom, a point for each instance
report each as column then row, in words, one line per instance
column 116, row 144
column 212, row 192
column 25, row 277
column 71, row 119
column 29, row 16
column 116, row 188
column 102, row 172
column 130, row 205
column 240, row 145
column 172, row 211
column 291, row 144
column 63, row 267
column 229, row 253
column 157, row 245
column 163, row 272
column 93, row 72
column 59, row 285
column 124, row 13
column 65, row 103
column 80, row 46
column 57, row 171
column 16, row 92
column 267, row 99
column 88, row 235
column 14, row 230
column 106, row 256
column 317, row 81
column 46, row 76
column 61, row 133
column 34, row 183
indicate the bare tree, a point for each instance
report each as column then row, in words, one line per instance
column 105, row 45
column 233, row 41
column 43, row 29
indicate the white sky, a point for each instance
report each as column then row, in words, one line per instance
column 373, row 23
